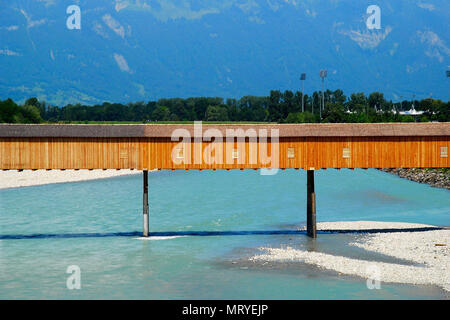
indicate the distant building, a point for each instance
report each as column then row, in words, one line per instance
column 412, row 112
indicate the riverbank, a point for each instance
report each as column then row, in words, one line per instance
column 28, row 178
column 439, row 178
column 426, row 254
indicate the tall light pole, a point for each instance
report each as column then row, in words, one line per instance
column 323, row 75
column 303, row 78
column 448, row 76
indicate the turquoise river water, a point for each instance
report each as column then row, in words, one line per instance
column 205, row 225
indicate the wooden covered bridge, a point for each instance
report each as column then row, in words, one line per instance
column 243, row 146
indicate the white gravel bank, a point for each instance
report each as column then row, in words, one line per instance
column 430, row 249
column 367, row 225
column 27, row 178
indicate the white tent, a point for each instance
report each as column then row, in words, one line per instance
column 411, row 112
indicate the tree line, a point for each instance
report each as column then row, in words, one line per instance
column 278, row 107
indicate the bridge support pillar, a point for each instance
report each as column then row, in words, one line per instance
column 311, row 228
column 145, row 204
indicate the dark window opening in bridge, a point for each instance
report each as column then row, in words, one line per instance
column 291, row 153
column 346, row 153
column 444, row 152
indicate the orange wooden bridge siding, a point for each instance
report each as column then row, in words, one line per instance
column 156, row 153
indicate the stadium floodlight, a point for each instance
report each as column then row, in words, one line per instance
column 323, row 74
column 303, row 78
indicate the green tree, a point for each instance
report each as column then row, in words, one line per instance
column 357, row 102
column 376, row 101
column 8, row 110
column 30, row 114
column 334, row 113
column 300, row 117
column 275, row 112
column 216, row 113
column 161, row 113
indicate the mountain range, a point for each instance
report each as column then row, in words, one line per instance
column 139, row 50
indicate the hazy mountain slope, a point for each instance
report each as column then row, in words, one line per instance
column 139, row 50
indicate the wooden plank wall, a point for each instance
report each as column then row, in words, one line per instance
column 156, row 153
